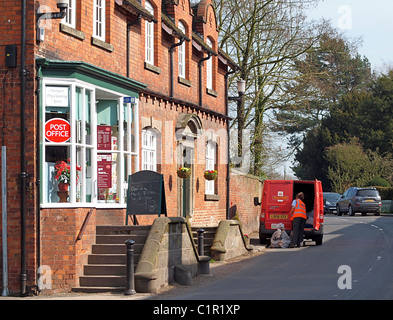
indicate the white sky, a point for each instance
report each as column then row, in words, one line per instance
column 370, row 20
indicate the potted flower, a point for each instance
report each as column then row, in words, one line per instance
column 183, row 172
column 210, row 174
column 63, row 174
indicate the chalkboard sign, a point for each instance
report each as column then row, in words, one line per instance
column 146, row 194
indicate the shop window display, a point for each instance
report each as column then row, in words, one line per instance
column 97, row 150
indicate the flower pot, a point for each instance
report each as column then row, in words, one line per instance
column 63, row 186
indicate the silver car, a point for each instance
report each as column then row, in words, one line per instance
column 361, row 200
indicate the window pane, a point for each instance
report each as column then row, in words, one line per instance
column 55, row 155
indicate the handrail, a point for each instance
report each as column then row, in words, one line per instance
column 85, row 222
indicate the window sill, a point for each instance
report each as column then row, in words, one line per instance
column 186, row 82
column 72, row 32
column 58, row 205
column 212, row 197
column 152, row 68
column 102, row 44
column 212, row 92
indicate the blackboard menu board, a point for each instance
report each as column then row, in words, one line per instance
column 146, row 194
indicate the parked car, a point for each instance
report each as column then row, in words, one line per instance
column 330, row 202
column 361, row 200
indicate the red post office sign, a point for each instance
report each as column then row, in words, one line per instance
column 57, row 130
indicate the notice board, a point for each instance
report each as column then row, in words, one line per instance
column 146, row 194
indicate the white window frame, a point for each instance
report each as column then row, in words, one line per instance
column 70, row 17
column 99, row 19
column 209, row 68
column 128, row 151
column 211, row 151
column 149, row 35
column 182, row 54
column 149, row 149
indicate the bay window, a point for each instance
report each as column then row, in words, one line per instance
column 89, row 141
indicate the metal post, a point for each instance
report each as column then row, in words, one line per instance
column 201, row 242
column 5, row 291
column 130, row 286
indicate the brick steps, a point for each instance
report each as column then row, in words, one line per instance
column 106, row 267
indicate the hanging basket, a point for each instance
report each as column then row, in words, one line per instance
column 183, row 172
column 210, row 174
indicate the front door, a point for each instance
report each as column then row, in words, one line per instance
column 187, row 185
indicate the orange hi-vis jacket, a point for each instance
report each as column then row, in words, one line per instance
column 300, row 210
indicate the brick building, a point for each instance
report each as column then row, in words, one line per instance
column 126, row 85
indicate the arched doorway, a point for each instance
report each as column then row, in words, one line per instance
column 188, row 129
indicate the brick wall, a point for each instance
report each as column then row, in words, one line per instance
column 60, row 249
column 244, row 188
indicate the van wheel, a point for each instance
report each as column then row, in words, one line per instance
column 318, row 241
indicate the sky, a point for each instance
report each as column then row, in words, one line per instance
column 370, row 20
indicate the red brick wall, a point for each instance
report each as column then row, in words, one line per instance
column 244, row 188
column 10, row 132
column 60, row 249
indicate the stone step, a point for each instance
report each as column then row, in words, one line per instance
column 115, row 248
column 106, row 259
column 104, row 269
column 102, row 281
column 119, row 239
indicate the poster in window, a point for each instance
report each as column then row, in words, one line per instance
column 104, row 137
column 104, row 170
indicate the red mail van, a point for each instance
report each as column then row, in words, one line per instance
column 277, row 197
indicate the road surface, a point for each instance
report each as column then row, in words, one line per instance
column 354, row 262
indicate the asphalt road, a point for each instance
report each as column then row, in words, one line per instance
column 355, row 262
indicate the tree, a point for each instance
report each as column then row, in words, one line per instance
column 366, row 115
column 350, row 165
column 264, row 38
column 329, row 71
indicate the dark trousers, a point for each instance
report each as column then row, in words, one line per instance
column 298, row 230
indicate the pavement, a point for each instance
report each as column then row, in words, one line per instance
column 218, row 270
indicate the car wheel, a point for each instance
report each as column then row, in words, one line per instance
column 339, row 213
column 350, row 211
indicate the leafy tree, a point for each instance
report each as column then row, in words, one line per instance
column 327, row 72
column 365, row 115
column 350, row 165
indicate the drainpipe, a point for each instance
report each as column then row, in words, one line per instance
column 38, row 164
column 23, row 174
column 171, row 50
column 200, row 64
column 129, row 25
